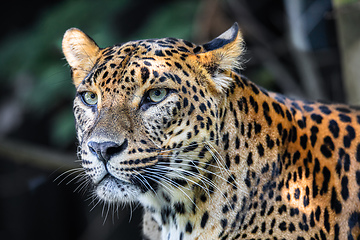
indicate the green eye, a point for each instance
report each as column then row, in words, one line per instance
column 90, row 98
column 156, row 95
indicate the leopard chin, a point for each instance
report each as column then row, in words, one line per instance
column 114, row 190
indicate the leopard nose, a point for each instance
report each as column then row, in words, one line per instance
column 105, row 150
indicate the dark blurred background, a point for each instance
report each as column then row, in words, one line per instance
column 302, row 48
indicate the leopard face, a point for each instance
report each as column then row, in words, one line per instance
column 209, row 154
column 146, row 114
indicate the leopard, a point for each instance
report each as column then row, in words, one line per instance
column 175, row 127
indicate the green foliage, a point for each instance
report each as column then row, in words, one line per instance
column 36, row 53
column 172, row 20
column 338, row 3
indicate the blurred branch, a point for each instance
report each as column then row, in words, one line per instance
column 347, row 20
column 301, row 49
column 36, row 156
column 264, row 51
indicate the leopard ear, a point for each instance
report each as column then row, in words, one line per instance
column 221, row 55
column 81, row 52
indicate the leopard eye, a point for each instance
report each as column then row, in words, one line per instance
column 157, row 95
column 90, row 98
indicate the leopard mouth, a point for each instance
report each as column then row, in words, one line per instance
column 112, row 189
column 109, row 177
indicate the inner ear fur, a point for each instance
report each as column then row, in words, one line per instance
column 222, row 55
column 81, row 52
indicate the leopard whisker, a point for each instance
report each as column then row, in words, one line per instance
column 203, row 169
column 151, row 177
column 184, row 177
column 204, row 142
column 107, row 211
column 92, row 202
column 68, row 173
column 171, row 183
column 77, row 178
column 144, row 181
column 82, row 186
column 190, row 160
column 203, row 178
column 216, row 155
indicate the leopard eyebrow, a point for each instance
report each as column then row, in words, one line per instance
column 91, row 77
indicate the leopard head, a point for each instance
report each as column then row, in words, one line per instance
column 147, row 112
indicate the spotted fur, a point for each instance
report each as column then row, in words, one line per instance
column 217, row 157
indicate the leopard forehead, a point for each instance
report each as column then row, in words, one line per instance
column 128, row 70
column 145, row 55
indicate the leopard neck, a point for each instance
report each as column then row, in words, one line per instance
column 256, row 127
